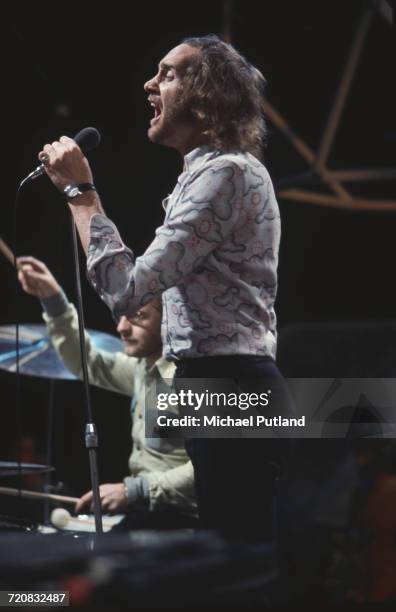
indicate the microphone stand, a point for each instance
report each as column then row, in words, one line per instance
column 91, row 436
column 87, row 139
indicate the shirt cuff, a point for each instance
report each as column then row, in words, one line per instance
column 137, row 491
column 104, row 240
column 56, row 305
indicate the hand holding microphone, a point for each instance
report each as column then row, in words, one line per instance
column 67, row 167
column 65, row 164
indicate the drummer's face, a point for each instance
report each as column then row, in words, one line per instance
column 141, row 334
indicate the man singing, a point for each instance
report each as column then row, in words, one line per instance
column 214, row 259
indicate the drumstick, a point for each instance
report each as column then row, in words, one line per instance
column 35, row 494
column 8, row 254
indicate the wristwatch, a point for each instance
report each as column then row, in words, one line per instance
column 76, row 189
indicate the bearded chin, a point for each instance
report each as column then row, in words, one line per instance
column 173, row 119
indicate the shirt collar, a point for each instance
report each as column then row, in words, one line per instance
column 165, row 368
column 197, row 157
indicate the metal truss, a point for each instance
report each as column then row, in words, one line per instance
column 295, row 187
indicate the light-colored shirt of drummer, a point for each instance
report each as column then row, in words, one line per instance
column 214, row 260
column 161, row 474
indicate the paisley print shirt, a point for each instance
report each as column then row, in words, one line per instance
column 214, row 260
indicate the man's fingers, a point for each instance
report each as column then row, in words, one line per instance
column 65, row 145
column 22, row 279
column 28, row 278
column 58, row 151
column 32, row 261
column 50, row 151
column 83, row 501
column 34, row 275
column 58, row 147
column 27, row 259
column 104, row 502
column 109, row 500
column 27, row 275
column 66, row 139
column 22, row 269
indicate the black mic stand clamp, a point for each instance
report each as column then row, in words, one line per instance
column 92, row 444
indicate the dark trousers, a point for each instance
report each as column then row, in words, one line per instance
column 235, row 478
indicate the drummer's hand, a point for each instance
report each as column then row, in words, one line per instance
column 112, row 498
column 36, row 279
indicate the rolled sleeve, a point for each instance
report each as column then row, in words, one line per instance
column 137, row 491
column 174, row 487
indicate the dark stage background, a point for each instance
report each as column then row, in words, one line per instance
column 67, row 66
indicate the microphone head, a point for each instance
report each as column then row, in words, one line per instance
column 87, row 139
column 60, row 517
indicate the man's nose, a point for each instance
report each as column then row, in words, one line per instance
column 151, row 85
column 123, row 327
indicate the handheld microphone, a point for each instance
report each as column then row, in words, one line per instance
column 87, row 139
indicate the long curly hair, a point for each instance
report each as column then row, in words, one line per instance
column 225, row 92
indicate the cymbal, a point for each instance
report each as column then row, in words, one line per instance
column 37, row 356
column 12, row 468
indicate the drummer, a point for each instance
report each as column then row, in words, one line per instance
column 159, row 491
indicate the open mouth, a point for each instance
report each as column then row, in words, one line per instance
column 157, row 112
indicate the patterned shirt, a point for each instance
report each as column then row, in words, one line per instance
column 214, row 260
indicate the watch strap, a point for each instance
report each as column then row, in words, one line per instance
column 82, row 188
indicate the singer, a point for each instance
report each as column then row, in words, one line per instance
column 214, row 259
